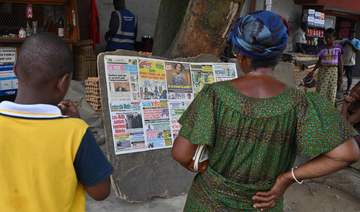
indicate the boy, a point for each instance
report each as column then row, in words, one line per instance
column 122, row 28
column 351, row 46
column 47, row 159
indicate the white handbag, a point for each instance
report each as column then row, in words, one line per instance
column 200, row 160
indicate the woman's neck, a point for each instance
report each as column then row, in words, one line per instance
column 330, row 45
column 261, row 71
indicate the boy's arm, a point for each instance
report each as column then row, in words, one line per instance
column 92, row 168
column 113, row 26
column 99, row 191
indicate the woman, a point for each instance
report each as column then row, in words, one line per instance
column 330, row 67
column 253, row 127
column 351, row 107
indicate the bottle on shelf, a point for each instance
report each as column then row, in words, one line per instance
column 22, row 33
column 61, row 27
column 28, row 29
column 34, row 27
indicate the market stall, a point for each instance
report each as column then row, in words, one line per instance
column 20, row 19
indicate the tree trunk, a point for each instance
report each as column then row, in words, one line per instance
column 204, row 27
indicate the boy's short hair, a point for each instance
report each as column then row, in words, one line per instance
column 43, row 57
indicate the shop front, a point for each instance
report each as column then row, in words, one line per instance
column 20, row 19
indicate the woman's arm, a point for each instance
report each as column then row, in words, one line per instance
column 340, row 72
column 321, row 165
column 354, row 118
column 317, row 65
column 183, row 151
column 344, row 109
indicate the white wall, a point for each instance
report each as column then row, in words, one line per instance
column 145, row 10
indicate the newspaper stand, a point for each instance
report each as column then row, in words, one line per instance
column 140, row 176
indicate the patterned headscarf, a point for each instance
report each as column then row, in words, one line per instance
column 260, row 34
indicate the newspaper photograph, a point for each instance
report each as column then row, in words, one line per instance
column 157, row 124
column 178, row 80
column 127, row 126
column 201, row 74
column 152, row 79
column 177, row 108
column 225, row 71
column 122, row 75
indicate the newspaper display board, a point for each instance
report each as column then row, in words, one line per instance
column 8, row 80
column 146, row 98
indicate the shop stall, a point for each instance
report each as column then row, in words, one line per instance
column 20, row 19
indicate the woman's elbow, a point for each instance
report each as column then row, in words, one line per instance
column 353, row 152
column 177, row 155
column 354, row 157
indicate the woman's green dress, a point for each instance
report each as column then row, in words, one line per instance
column 252, row 141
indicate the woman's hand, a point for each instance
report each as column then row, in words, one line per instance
column 268, row 199
column 340, row 81
column 348, row 99
column 69, row 109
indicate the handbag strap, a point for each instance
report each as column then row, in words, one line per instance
column 199, row 151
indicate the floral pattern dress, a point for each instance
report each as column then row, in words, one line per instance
column 253, row 140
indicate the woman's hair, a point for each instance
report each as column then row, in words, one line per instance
column 330, row 31
column 263, row 63
column 178, row 64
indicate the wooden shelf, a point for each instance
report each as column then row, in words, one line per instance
column 313, row 36
column 70, row 16
column 316, row 27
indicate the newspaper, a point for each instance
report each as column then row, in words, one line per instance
column 201, row 74
column 147, row 97
column 177, row 108
column 122, row 76
column 178, row 79
column 127, row 126
column 225, row 71
column 152, row 79
column 157, row 123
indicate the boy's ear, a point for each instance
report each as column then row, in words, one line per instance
column 15, row 71
column 63, row 82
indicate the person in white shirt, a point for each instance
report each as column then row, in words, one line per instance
column 299, row 38
column 351, row 46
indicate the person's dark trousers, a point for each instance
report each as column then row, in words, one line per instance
column 349, row 72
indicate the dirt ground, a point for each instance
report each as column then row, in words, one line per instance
column 338, row 192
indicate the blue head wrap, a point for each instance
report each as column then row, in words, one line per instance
column 260, row 34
